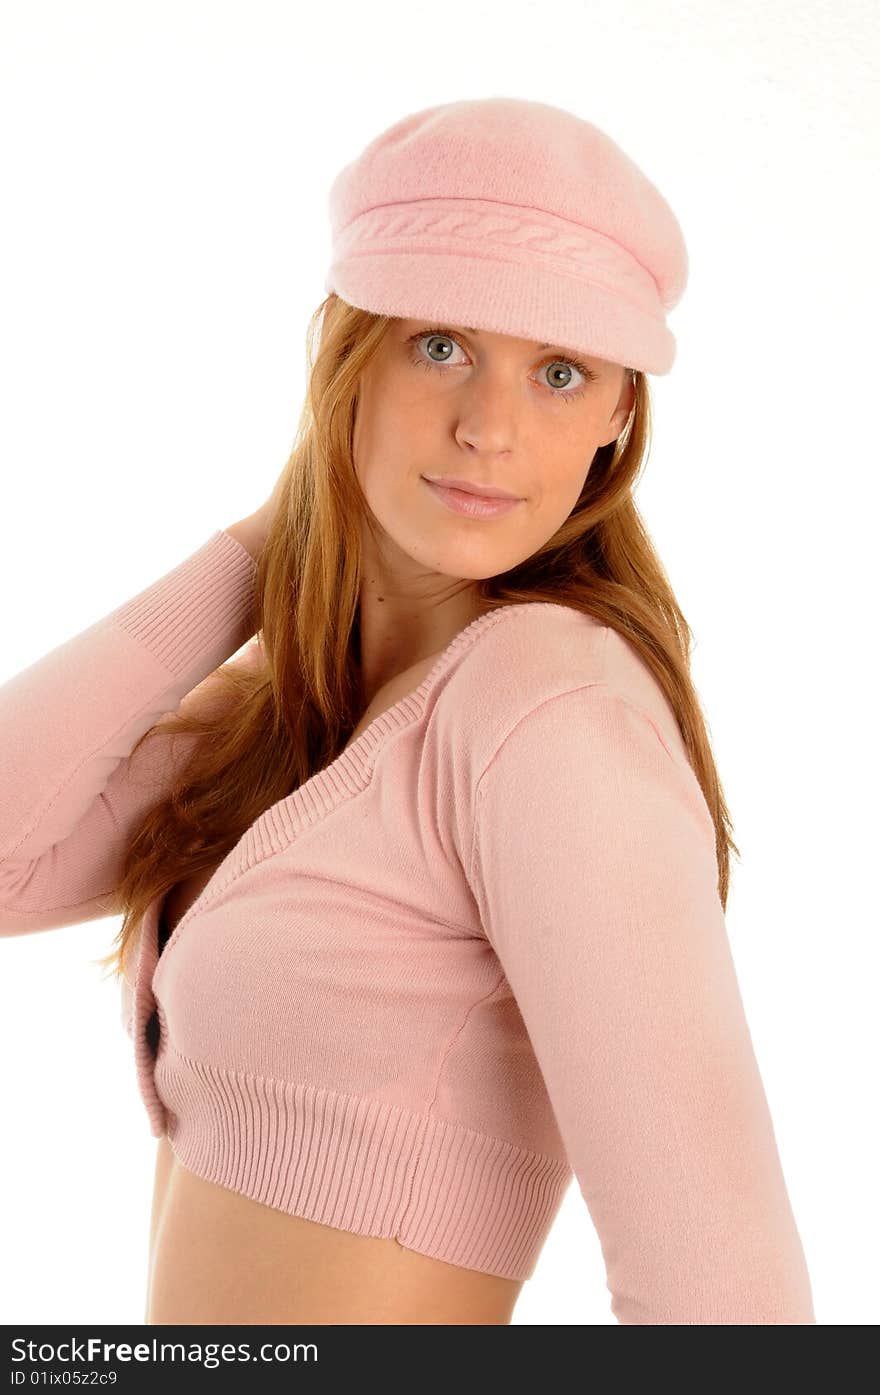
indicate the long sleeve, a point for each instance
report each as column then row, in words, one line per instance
column 593, row 867
column 69, row 795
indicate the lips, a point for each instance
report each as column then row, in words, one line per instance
column 474, row 506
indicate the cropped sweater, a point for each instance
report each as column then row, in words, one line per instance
column 480, row 951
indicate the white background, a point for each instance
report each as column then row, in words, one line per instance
column 165, row 168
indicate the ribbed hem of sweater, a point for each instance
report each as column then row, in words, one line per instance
column 363, row 1165
column 201, row 602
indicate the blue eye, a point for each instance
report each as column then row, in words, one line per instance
column 439, row 333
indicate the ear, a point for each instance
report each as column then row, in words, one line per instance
column 625, row 403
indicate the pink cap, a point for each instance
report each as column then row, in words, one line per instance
column 515, row 217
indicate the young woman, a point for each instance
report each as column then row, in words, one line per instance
column 423, row 892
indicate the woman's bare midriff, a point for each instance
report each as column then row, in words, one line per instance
column 218, row 1257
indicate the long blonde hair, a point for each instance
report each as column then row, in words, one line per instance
column 288, row 717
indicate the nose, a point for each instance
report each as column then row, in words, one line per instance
column 487, row 414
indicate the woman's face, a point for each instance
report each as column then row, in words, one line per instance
column 487, row 408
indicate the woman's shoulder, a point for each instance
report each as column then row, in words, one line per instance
column 526, row 655
column 541, row 642
column 506, row 664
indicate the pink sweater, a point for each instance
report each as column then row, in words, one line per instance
column 479, row 951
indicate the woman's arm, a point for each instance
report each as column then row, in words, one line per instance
column 69, row 795
column 250, row 532
column 593, row 866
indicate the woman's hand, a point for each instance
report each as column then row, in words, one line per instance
column 252, row 531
